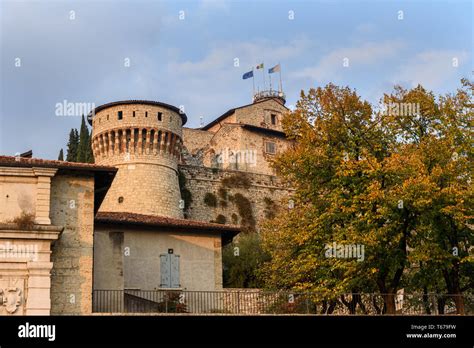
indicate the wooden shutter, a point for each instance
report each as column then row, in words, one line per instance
column 165, row 271
column 174, row 271
column 169, row 270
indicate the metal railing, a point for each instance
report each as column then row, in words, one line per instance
column 265, row 302
column 268, row 94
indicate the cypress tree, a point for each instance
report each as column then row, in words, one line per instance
column 72, row 146
column 90, row 155
column 84, row 143
column 61, row 155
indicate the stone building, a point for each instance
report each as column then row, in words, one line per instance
column 47, row 213
column 245, row 138
column 153, row 212
column 232, row 157
column 142, row 241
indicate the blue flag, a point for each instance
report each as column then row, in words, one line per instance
column 248, row 75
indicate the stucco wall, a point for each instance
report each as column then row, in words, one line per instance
column 17, row 195
column 200, row 258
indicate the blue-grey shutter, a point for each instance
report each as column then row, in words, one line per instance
column 165, row 271
column 174, row 271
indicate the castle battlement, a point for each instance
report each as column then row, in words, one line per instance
column 143, row 139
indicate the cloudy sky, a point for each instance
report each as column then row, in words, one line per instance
column 185, row 53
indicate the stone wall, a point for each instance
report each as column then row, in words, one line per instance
column 144, row 189
column 196, row 139
column 259, row 114
column 72, row 206
column 266, row 194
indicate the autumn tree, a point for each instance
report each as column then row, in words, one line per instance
column 375, row 179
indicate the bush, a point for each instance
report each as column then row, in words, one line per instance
column 244, row 207
column 239, row 180
column 186, row 195
column 210, row 199
column 221, row 219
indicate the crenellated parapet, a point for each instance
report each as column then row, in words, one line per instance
column 143, row 139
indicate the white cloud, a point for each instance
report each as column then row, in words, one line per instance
column 248, row 53
column 331, row 65
column 431, row 68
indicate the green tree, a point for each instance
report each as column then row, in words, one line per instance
column 72, row 146
column 83, row 152
column 241, row 260
column 61, row 155
column 89, row 154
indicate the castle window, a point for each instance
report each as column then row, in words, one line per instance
column 134, row 114
column 120, row 115
column 270, row 147
column 107, row 117
column 160, row 116
column 146, row 113
column 274, row 119
column 120, row 199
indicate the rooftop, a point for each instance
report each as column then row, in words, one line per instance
column 122, row 218
column 17, row 161
column 142, row 102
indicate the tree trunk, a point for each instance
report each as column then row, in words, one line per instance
column 459, row 301
column 426, row 302
column 389, row 300
column 441, row 304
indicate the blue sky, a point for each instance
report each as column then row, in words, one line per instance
column 190, row 61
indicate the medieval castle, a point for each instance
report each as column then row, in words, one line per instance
column 153, row 212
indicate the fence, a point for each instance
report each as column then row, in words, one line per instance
column 264, row 302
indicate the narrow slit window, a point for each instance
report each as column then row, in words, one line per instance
column 274, row 119
column 160, row 116
column 120, row 115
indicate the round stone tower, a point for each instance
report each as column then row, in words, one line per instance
column 143, row 139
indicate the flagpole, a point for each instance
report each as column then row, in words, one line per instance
column 253, row 82
column 263, row 73
column 270, row 78
column 281, row 87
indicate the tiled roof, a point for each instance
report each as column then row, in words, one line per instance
column 184, row 118
column 151, row 220
column 12, row 161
